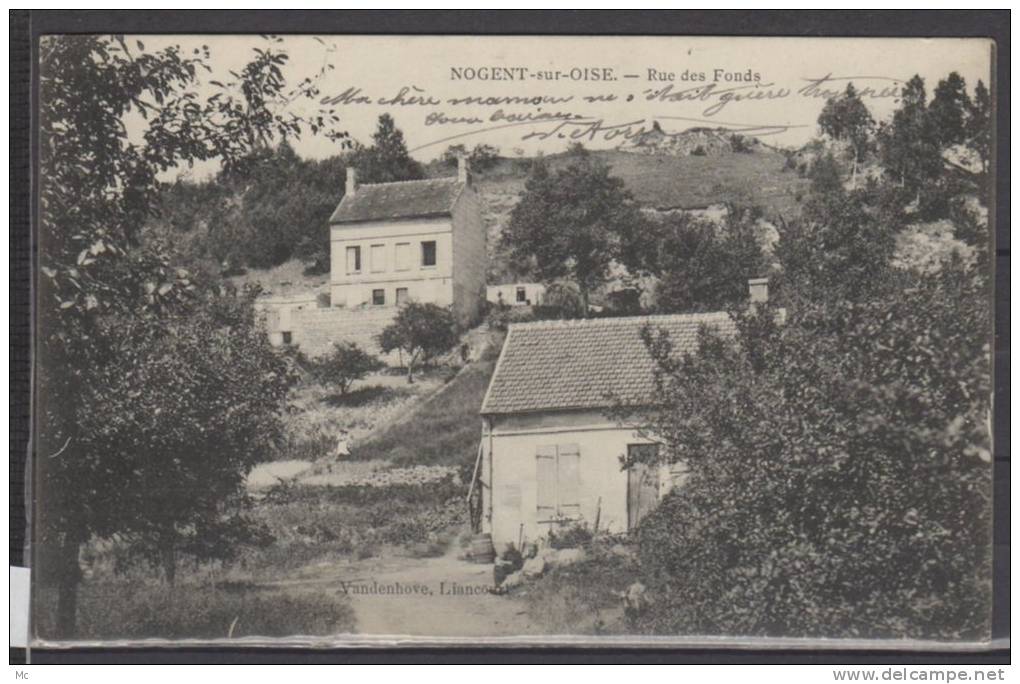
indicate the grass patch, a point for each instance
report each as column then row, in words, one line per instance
column 443, row 431
column 131, row 609
column 319, row 416
column 314, row 523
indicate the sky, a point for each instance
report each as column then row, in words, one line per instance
column 607, row 89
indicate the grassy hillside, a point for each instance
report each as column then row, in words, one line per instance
column 444, row 430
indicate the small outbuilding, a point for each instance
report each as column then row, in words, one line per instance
column 515, row 294
column 551, row 455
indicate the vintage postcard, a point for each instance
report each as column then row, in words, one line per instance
column 348, row 340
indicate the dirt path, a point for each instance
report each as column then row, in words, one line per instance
column 426, row 597
column 453, row 601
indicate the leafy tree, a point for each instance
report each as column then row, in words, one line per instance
column 344, row 364
column 422, row 331
column 563, row 299
column 838, row 471
column 847, row 119
column 703, row 266
column 841, row 245
column 979, row 124
column 825, row 175
column 387, row 160
column 98, row 186
column 948, row 110
column 483, row 157
column 910, row 146
column 184, row 409
column 452, row 155
column 276, row 209
column 480, row 158
column 573, row 224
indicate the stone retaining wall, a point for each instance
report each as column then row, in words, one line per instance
column 315, row 330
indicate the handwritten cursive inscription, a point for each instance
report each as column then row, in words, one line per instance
column 556, row 115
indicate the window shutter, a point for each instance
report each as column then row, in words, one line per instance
column 378, row 258
column 403, row 256
column 568, row 480
column 545, row 461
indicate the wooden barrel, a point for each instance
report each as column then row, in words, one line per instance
column 482, row 550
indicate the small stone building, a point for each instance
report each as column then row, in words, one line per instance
column 550, row 455
column 515, row 294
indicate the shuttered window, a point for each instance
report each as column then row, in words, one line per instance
column 568, row 481
column 558, row 481
column 402, row 257
column 546, row 462
column 378, row 258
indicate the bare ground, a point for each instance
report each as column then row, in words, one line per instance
column 419, row 597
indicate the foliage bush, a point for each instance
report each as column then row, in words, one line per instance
column 345, row 363
column 839, row 475
column 704, row 266
column 561, row 300
column 740, row 144
column 574, row 536
column 500, row 317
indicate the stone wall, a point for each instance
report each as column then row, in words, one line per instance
column 315, row 330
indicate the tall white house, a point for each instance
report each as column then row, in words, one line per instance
column 420, row 240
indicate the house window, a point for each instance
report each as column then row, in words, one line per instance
column 401, row 296
column 354, row 259
column 402, row 256
column 428, row 253
column 522, row 295
column 559, row 482
column 288, row 337
column 378, row 254
column 378, row 297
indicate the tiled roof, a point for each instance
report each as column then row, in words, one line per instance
column 403, row 199
column 585, row 364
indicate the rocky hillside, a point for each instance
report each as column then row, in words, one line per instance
column 697, row 142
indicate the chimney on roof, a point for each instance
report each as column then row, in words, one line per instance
column 759, row 289
column 463, row 170
column 352, row 180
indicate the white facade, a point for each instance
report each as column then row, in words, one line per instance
column 438, row 260
column 543, row 471
column 414, row 257
column 515, row 294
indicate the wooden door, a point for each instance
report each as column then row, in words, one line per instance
column 642, row 491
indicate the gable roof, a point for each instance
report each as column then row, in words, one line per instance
column 587, row 363
column 400, row 200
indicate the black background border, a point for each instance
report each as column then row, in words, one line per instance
column 26, row 27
